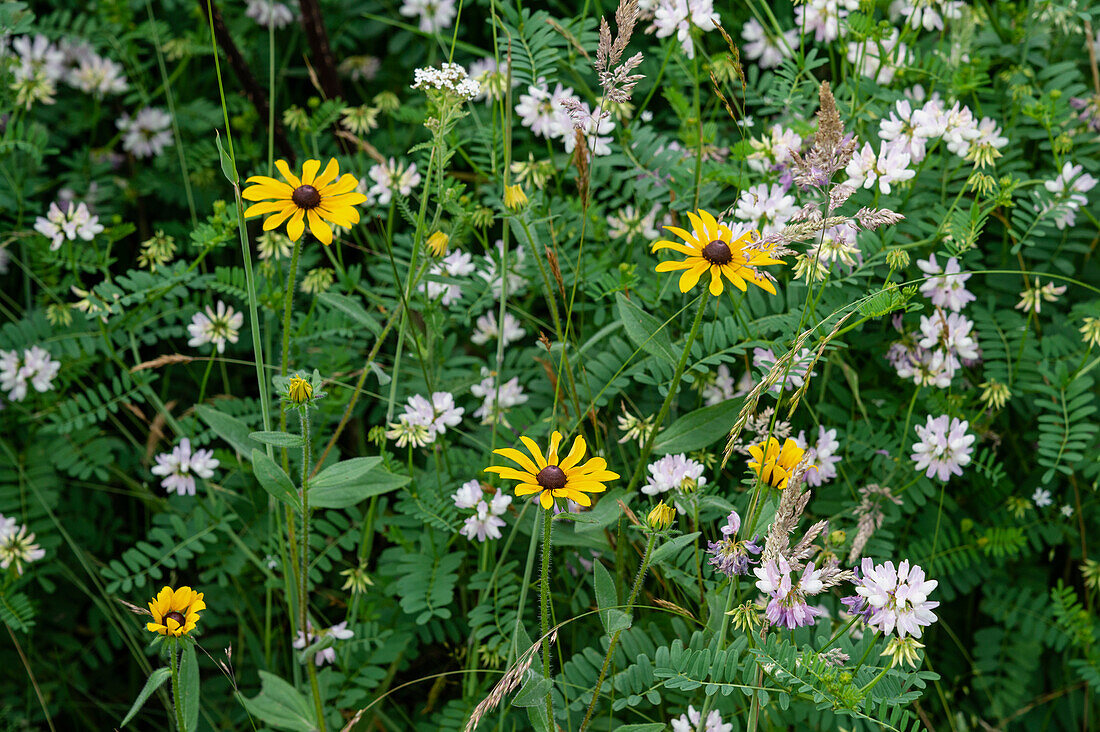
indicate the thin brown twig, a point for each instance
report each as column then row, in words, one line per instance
column 314, row 26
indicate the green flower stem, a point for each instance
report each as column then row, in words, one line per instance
column 303, row 571
column 173, row 664
column 615, row 637
column 544, row 608
column 640, row 468
column 874, row 682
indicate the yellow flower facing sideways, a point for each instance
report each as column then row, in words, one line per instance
column 775, row 464
column 313, row 199
column 712, row 247
column 553, row 477
column 175, row 612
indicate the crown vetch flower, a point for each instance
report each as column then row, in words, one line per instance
column 774, row 464
column 314, row 199
column 711, row 246
column 944, row 446
column 788, row 606
column 897, row 598
column 175, row 612
column 552, row 477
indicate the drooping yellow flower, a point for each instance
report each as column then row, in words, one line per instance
column 552, row 477
column 661, row 517
column 299, row 389
column 712, row 246
column 437, row 243
column 312, row 199
column 175, row 612
column 773, row 464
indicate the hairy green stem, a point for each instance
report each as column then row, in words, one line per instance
column 303, row 593
column 544, row 609
column 177, row 702
column 615, row 637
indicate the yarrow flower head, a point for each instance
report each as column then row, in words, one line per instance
column 314, row 199
column 711, row 247
column 729, row 555
column 552, row 477
column 896, row 599
column 215, row 326
column 787, row 606
column 325, row 655
column 179, row 467
column 774, row 464
column 175, row 612
column 944, row 447
column 451, row 79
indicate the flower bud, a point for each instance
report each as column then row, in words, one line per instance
column 299, row 390
column 661, row 517
column 514, row 197
column 437, row 243
column 897, row 258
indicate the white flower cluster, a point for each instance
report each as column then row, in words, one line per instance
column 822, row 456
column 217, row 327
column 487, row 329
column 425, row 419
column 1069, row 190
column 269, row 14
column 450, row 78
column 325, row 655
column 456, row 264
column 388, row 179
column 433, row 15
column 494, row 404
column 17, row 545
column 34, row 368
column 944, row 447
column 724, row 387
column 147, row 133
column 674, row 472
column 69, row 221
column 556, row 115
column 763, row 359
column 40, row 64
column 676, row 17
column 179, row 468
column 486, row 521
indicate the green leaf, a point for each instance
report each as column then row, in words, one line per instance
column 230, row 429
column 350, row 306
column 278, row 439
column 350, row 481
column 189, row 687
column 603, row 513
column 606, row 596
column 274, row 480
column 154, row 682
column 280, row 705
column 533, row 692
column 699, row 429
column 646, row 727
column 229, row 170
column 671, row 547
column 646, row 331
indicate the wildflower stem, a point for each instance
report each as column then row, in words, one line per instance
column 839, row 633
column 173, row 665
column 544, row 611
column 672, row 388
column 615, row 637
column 303, row 569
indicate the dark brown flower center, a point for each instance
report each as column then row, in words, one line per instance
column 177, row 617
column 717, row 252
column 306, row 197
column 552, row 478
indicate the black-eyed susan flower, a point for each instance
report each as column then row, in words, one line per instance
column 175, row 612
column 437, row 243
column 514, row 197
column 774, row 464
column 661, row 517
column 299, row 390
column 311, row 199
column 553, row 477
column 711, row 246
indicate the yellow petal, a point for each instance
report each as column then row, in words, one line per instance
column 296, row 225
column 274, row 222
column 716, row 281
column 673, row 265
column 552, row 452
column 711, row 224
column 526, row 489
column 309, row 171
column 332, row 170
column 689, row 279
column 689, row 238
column 510, row 473
column 344, row 199
column 155, row 628
column 513, row 454
column 284, row 170
column 347, row 182
column 546, row 500
column 259, row 209
column 674, row 246
column 533, row 447
column 320, row 229
column 575, row 496
column 576, row 454
column 699, row 229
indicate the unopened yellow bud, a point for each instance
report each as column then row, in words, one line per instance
column 514, row 197
column 299, row 390
column 661, row 517
column 437, row 243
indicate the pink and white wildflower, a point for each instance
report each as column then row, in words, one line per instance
column 896, row 599
column 944, row 448
column 787, row 606
column 948, row 291
column 179, row 468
